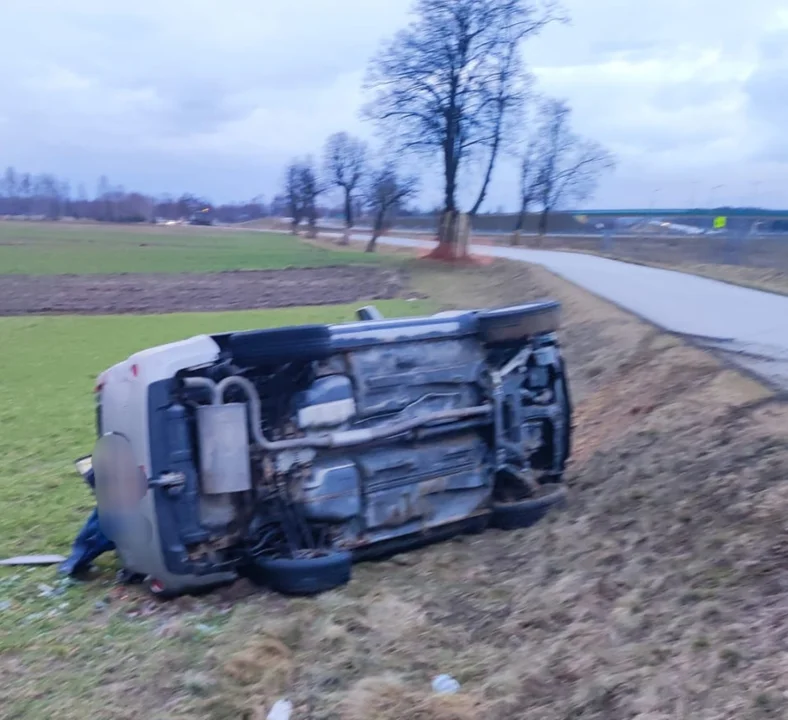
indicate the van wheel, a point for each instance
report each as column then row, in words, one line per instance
column 303, row 576
column 525, row 513
column 281, row 345
column 517, row 323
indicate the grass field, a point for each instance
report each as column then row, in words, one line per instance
column 46, row 411
column 658, row 593
column 51, row 248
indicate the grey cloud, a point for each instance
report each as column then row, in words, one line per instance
column 215, row 97
column 627, row 50
column 691, row 94
column 767, row 93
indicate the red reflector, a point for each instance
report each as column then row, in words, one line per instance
column 156, row 586
column 135, row 370
column 99, row 387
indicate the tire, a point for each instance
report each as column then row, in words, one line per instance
column 525, row 513
column 280, row 345
column 127, row 577
column 303, row 576
column 517, row 323
column 568, row 408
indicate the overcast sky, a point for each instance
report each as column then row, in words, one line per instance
column 215, row 97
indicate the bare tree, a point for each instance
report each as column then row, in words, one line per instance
column 10, row 189
column 387, row 193
column 447, row 83
column 346, row 163
column 529, row 178
column 292, row 196
column 25, row 193
column 310, row 189
column 508, row 93
column 302, row 188
column 569, row 165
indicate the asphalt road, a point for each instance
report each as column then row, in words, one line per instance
column 748, row 327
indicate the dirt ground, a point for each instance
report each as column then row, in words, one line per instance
column 660, row 593
column 157, row 293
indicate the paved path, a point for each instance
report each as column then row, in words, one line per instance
column 749, row 326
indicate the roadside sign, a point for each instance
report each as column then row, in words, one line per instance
column 720, row 223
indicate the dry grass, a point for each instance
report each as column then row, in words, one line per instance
column 769, row 279
column 660, row 593
column 755, row 263
column 756, row 278
column 389, row 698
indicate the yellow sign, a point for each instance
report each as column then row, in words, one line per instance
column 720, row 223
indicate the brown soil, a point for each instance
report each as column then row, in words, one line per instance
column 160, row 293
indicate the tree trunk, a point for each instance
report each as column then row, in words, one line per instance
column 447, row 235
column 348, row 208
column 515, row 240
column 377, row 229
column 447, row 232
column 488, row 175
column 543, row 221
column 348, row 218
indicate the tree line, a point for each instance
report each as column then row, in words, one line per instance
column 452, row 87
column 45, row 196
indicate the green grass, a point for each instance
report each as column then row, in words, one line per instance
column 48, row 368
column 51, row 248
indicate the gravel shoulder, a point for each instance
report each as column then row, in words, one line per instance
column 164, row 293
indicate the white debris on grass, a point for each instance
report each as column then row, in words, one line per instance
column 281, row 710
column 445, row 685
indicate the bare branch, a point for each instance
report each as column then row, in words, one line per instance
column 346, row 165
column 450, row 82
column 569, row 166
column 302, row 188
column 387, row 192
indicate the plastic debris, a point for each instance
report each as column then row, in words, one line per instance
column 45, row 590
column 281, row 710
column 33, row 560
column 445, row 685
